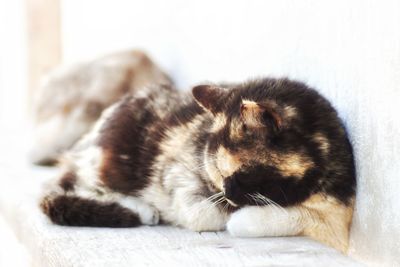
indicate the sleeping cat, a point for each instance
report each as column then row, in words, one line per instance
column 264, row 158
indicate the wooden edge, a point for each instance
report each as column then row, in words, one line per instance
column 43, row 40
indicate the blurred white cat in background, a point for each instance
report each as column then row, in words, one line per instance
column 71, row 99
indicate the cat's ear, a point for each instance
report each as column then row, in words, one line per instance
column 259, row 115
column 210, row 97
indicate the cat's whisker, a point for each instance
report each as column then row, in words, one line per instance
column 271, row 202
column 277, row 205
column 212, row 205
column 212, row 197
column 225, row 208
column 252, row 198
column 259, row 199
column 219, row 201
column 266, row 201
column 263, row 198
column 215, row 200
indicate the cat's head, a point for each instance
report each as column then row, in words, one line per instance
column 257, row 148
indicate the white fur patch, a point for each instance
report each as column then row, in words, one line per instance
column 148, row 215
column 197, row 213
column 184, row 207
column 88, row 163
column 219, row 122
column 48, row 141
column 86, row 159
column 264, row 221
column 88, row 139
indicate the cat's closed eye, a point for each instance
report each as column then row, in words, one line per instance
column 246, row 130
column 250, row 133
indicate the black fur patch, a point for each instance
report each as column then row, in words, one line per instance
column 47, row 162
column 67, row 181
column 268, row 182
column 333, row 173
column 130, row 140
column 184, row 114
column 128, row 150
column 76, row 211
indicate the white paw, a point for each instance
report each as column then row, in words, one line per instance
column 264, row 221
column 149, row 216
column 247, row 222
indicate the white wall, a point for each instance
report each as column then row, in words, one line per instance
column 13, row 80
column 13, row 75
column 350, row 50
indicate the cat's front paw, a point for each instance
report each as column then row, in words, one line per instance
column 203, row 218
column 247, row 222
column 206, row 223
column 265, row 221
column 149, row 216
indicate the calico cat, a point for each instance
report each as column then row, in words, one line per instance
column 267, row 157
column 71, row 99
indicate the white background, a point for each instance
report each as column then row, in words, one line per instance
column 349, row 50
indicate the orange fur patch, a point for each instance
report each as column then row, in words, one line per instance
column 327, row 220
column 293, row 164
column 227, row 163
column 250, row 112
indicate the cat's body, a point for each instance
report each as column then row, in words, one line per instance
column 265, row 158
column 72, row 98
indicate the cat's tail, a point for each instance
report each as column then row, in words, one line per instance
column 78, row 211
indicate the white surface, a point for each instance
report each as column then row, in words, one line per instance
column 57, row 246
column 12, row 252
column 350, row 50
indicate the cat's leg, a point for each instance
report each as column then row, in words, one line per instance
column 79, row 198
column 82, row 195
column 69, row 204
column 321, row 218
column 198, row 213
